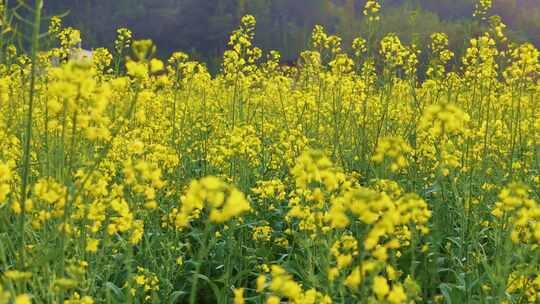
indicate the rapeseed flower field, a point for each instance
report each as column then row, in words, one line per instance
column 354, row 177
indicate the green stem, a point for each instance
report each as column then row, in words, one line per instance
column 200, row 256
column 28, row 133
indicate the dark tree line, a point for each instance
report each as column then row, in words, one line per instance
column 201, row 27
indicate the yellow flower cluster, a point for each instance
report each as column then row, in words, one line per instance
column 498, row 27
column 529, row 287
column 123, row 40
column 239, row 61
column 479, row 59
column 521, row 212
column 123, row 220
column 145, row 281
column 443, row 119
column 371, row 10
column 145, row 179
column 314, row 170
column 262, row 233
column 443, row 128
column 481, row 8
column 5, row 182
column 359, row 46
column 281, row 284
column 393, row 51
column 344, row 250
column 380, row 212
column 55, row 25
column 223, row 201
column 441, row 55
column 525, row 65
column 396, row 150
column 241, row 144
column 76, row 93
column 316, row 179
column 4, row 90
column 321, row 41
column 77, row 299
column 50, row 198
column 381, row 289
column 239, row 296
column 272, row 189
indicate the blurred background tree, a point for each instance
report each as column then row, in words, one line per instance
column 202, row 27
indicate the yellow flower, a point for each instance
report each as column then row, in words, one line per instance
column 224, row 201
column 156, row 65
column 261, row 281
column 239, row 296
column 371, row 9
column 92, row 245
column 137, row 69
column 23, row 299
column 5, row 178
column 273, row 300
column 397, row 295
column 380, row 287
column 354, row 279
column 333, row 273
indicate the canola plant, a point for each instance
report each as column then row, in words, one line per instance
column 353, row 177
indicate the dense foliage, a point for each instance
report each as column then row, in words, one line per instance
column 353, row 177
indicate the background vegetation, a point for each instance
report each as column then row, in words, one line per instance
column 201, row 27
